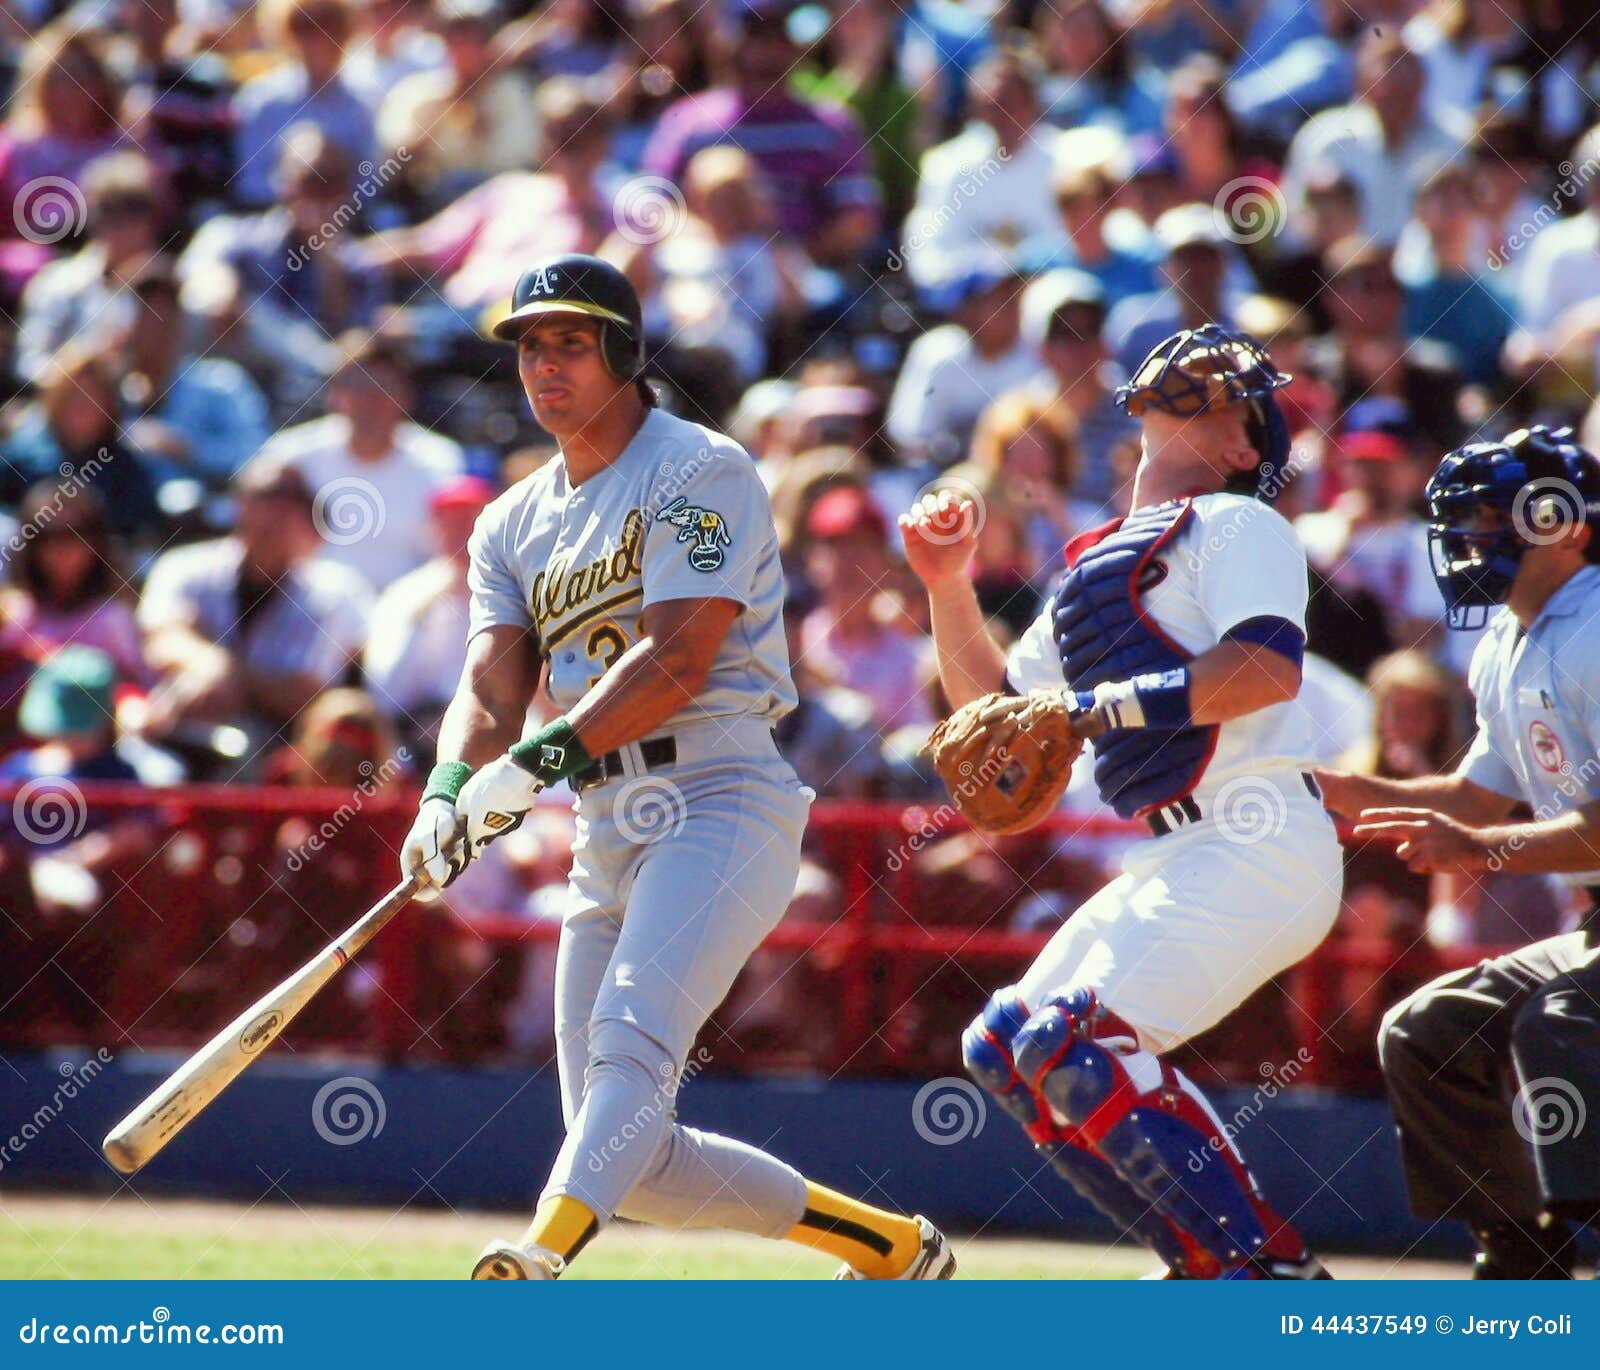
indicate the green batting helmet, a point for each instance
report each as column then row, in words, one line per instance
column 574, row 283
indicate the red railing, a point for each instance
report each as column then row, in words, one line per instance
column 213, row 893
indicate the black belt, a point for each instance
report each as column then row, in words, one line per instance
column 656, row 751
column 1185, row 811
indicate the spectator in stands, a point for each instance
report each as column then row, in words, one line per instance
column 715, row 287
column 829, row 737
column 469, row 255
column 1090, row 77
column 275, row 288
column 1209, row 145
column 70, row 433
column 1460, row 44
column 1508, row 194
column 1365, row 353
column 1294, row 264
column 1386, row 141
column 1084, row 196
column 306, row 87
column 1064, row 314
column 827, row 201
column 987, row 190
column 845, row 639
column 83, row 295
column 64, row 116
column 668, row 55
column 341, row 741
column 956, row 369
column 457, row 125
column 419, row 634
column 571, row 38
column 1197, row 290
column 389, row 45
column 70, row 588
column 370, row 470
column 70, row 710
column 250, row 628
column 1026, row 442
column 192, row 416
column 1557, row 309
column 860, row 71
column 1448, row 294
column 1295, row 60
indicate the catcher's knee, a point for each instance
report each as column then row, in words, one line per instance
column 987, row 1052
column 1058, row 1057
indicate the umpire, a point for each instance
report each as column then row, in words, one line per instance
column 1494, row 1072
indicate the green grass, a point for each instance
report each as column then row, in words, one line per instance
column 234, row 1243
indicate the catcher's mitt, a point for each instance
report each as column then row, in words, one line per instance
column 1006, row 758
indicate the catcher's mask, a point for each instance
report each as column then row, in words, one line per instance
column 1198, row 369
column 1537, row 482
column 574, row 283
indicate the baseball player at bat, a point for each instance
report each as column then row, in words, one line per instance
column 1173, row 643
column 1494, row 1072
column 638, row 573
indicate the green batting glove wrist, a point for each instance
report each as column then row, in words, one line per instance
column 552, row 754
column 446, row 779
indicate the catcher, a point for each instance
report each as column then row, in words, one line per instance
column 1173, row 645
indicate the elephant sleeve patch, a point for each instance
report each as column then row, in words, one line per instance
column 705, row 531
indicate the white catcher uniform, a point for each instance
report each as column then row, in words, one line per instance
column 688, row 842
column 1205, row 914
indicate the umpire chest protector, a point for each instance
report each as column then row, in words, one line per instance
column 1104, row 635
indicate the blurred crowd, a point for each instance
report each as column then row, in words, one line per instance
column 250, row 410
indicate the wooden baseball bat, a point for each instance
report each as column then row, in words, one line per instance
column 177, row 1101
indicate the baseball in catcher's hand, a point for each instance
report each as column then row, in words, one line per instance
column 1006, row 759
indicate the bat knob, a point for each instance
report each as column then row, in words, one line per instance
column 120, row 1154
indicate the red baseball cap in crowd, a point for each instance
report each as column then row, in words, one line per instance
column 844, row 510
column 461, row 492
column 1372, row 445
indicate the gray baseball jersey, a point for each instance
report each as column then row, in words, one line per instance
column 680, row 514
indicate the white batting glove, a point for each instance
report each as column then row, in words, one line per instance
column 495, row 800
column 435, row 849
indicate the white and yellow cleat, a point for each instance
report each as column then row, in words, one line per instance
column 934, row 1259
column 503, row 1259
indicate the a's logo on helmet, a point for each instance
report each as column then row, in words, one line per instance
column 544, row 281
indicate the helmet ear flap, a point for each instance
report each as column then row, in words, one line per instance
column 621, row 352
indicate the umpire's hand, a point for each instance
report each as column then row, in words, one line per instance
column 435, row 850
column 1428, row 842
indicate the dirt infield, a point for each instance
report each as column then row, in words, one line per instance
column 74, row 1236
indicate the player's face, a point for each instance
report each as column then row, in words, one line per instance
column 562, row 372
column 1209, row 447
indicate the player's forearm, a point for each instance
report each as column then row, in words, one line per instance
column 1233, row 679
column 649, row 683
column 485, row 716
column 971, row 663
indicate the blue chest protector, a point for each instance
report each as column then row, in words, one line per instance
column 1103, row 636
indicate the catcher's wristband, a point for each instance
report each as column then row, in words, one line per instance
column 552, row 754
column 446, row 779
column 1159, row 699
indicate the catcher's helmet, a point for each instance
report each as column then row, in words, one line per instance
column 1197, row 369
column 577, row 284
column 1538, row 478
